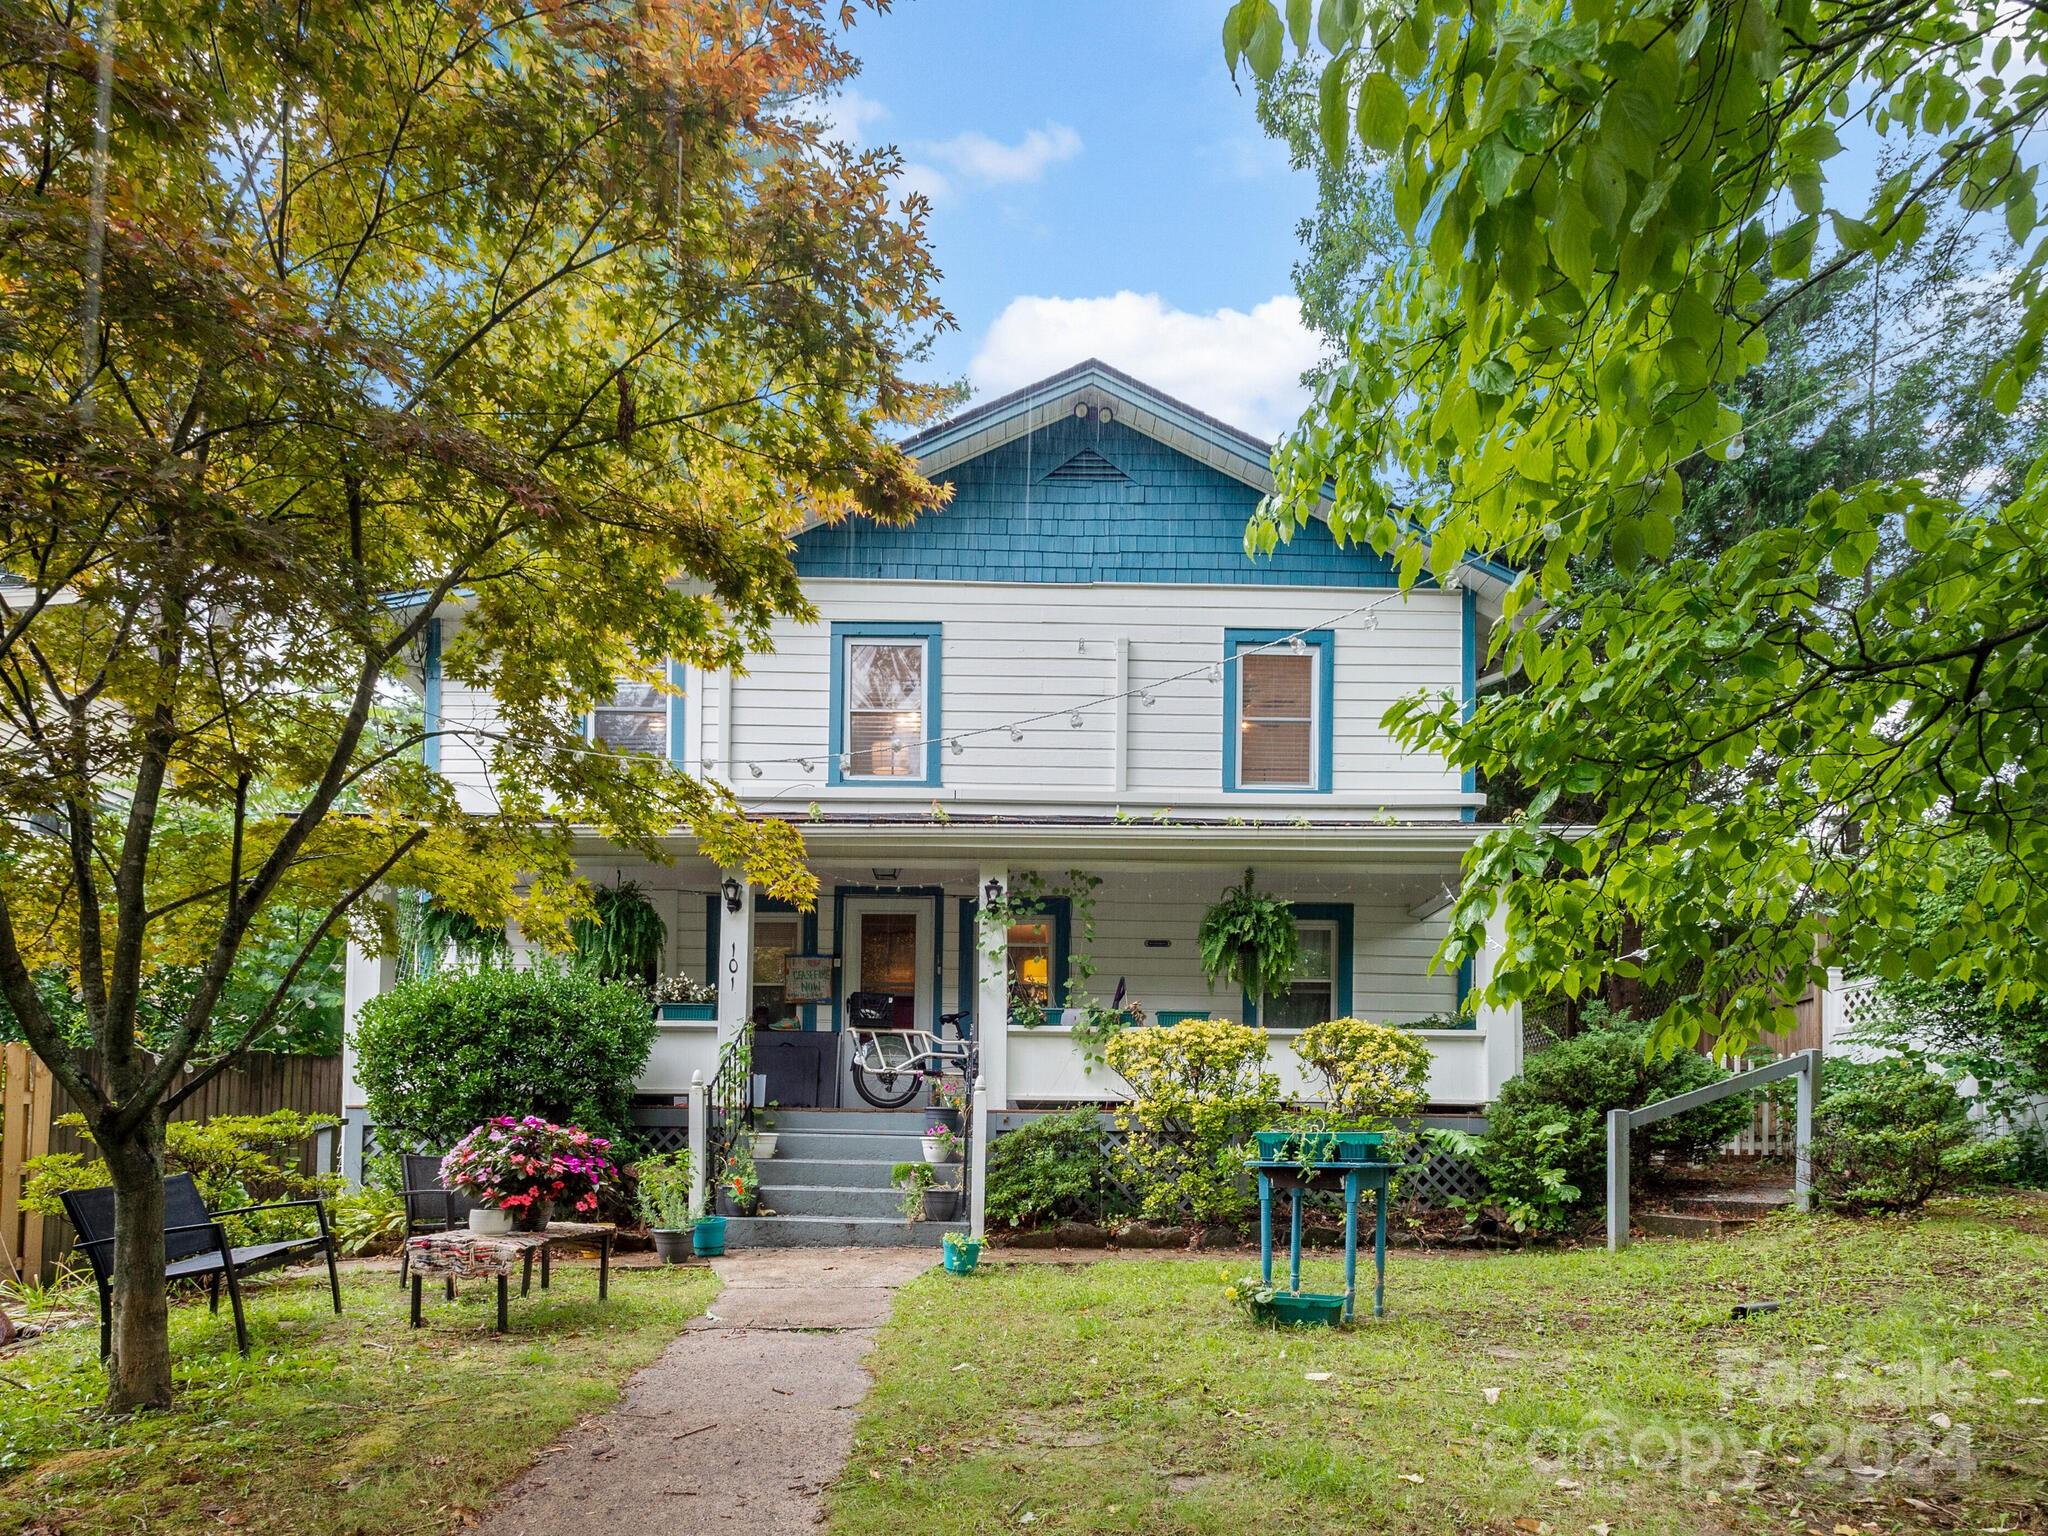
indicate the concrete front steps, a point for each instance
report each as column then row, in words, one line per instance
column 1718, row 1214
column 828, row 1184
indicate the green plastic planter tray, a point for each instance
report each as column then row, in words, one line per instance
column 1309, row 1308
column 1327, row 1147
column 961, row 1258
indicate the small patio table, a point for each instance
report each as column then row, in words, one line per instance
column 462, row 1254
column 1354, row 1179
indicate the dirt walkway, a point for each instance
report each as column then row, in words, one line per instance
column 743, row 1421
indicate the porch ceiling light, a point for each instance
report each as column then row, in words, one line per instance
column 885, row 874
column 730, row 889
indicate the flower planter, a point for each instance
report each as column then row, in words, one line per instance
column 681, row 1013
column 489, row 1221
column 1322, row 1147
column 765, row 1143
column 940, row 1204
column 962, row 1257
column 939, row 1149
column 671, row 1245
column 707, row 1238
column 1310, row 1308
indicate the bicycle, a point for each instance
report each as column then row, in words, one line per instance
column 884, row 1058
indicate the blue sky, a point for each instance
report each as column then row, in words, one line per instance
column 1098, row 187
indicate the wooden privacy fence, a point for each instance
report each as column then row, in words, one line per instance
column 31, row 1102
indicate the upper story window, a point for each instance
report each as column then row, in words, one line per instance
column 1277, row 693
column 885, row 703
column 634, row 719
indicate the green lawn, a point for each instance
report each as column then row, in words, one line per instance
column 332, row 1425
column 1128, row 1396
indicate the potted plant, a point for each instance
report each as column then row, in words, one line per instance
column 739, row 1190
column 681, row 997
column 924, row 1197
column 963, row 1252
column 1265, row 1303
column 764, row 1131
column 1251, row 939
column 525, row 1168
column 662, row 1195
column 941, row 1143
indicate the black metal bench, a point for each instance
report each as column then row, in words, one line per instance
column 196, row 1247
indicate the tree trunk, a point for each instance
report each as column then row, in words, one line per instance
column 139, row 1369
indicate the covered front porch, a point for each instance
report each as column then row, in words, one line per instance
column 903, row 915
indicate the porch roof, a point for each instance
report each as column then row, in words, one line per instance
column 1434, row 848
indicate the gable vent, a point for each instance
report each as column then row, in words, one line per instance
column 1088, row 468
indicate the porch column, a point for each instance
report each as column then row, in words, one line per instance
column 1502, row 1026
column 992, row 992
column 363, row 977
column 735, row 962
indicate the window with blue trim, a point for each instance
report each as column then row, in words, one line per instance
column 1277, row 699
column 1311, row 997
column 885, row 703
column 633, row 719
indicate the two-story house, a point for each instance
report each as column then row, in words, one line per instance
column 1074, row 665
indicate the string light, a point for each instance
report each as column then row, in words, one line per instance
column 754, row 769
column 1074, row 719
column 1297, row 645
column 804, row 763
column 1145, row 698
column 1015, row 734
column 957, row 748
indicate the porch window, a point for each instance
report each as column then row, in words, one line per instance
column 1277, row 700
column 1311, row 997
column 1031, row 964
column 634, row 719
column 885, row 690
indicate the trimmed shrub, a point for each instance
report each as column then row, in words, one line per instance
column 236, row 1160
column 439, row 1055
column 1372, row 1074
column 1201, row 1090
column 1057, row 1168
column 1890, row 1135
column 1575, row 1083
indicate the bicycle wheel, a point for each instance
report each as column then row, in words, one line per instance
column 886, row 1089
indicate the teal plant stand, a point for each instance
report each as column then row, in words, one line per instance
column 1354, row 1178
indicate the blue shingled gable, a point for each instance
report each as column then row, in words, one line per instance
column 1174, row 520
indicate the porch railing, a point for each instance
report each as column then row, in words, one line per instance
column 731, row 1108
column 1805, row 1066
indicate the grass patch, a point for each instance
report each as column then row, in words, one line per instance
column 332, row 1425
column 1889, row 1394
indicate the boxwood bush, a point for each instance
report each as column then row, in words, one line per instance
column 1890, row 1135
column 1057, row 1168
column 1574, row 1083
column 440, row 1054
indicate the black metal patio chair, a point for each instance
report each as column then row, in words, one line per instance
column 196, row 1247
column 430, row 1206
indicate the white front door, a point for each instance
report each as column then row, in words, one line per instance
column 888, row 953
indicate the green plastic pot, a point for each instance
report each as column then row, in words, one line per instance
column 962, row 1257
column 1311, row 1308
column 707, row 1237
column 1328, row 1147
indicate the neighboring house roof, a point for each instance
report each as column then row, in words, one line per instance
column 1092, row 386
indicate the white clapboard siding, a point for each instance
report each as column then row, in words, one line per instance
column 1029, row 648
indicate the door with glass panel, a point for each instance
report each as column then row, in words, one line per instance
column 888, row 964
column 1311, row 997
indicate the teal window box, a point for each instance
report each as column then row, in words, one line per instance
column 679, row 1013
column 1324, row 1149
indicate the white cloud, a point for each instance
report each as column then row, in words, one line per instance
column 1242, row 368
column 978, row 158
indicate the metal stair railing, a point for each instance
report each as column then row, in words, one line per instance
column 1805, row 1065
